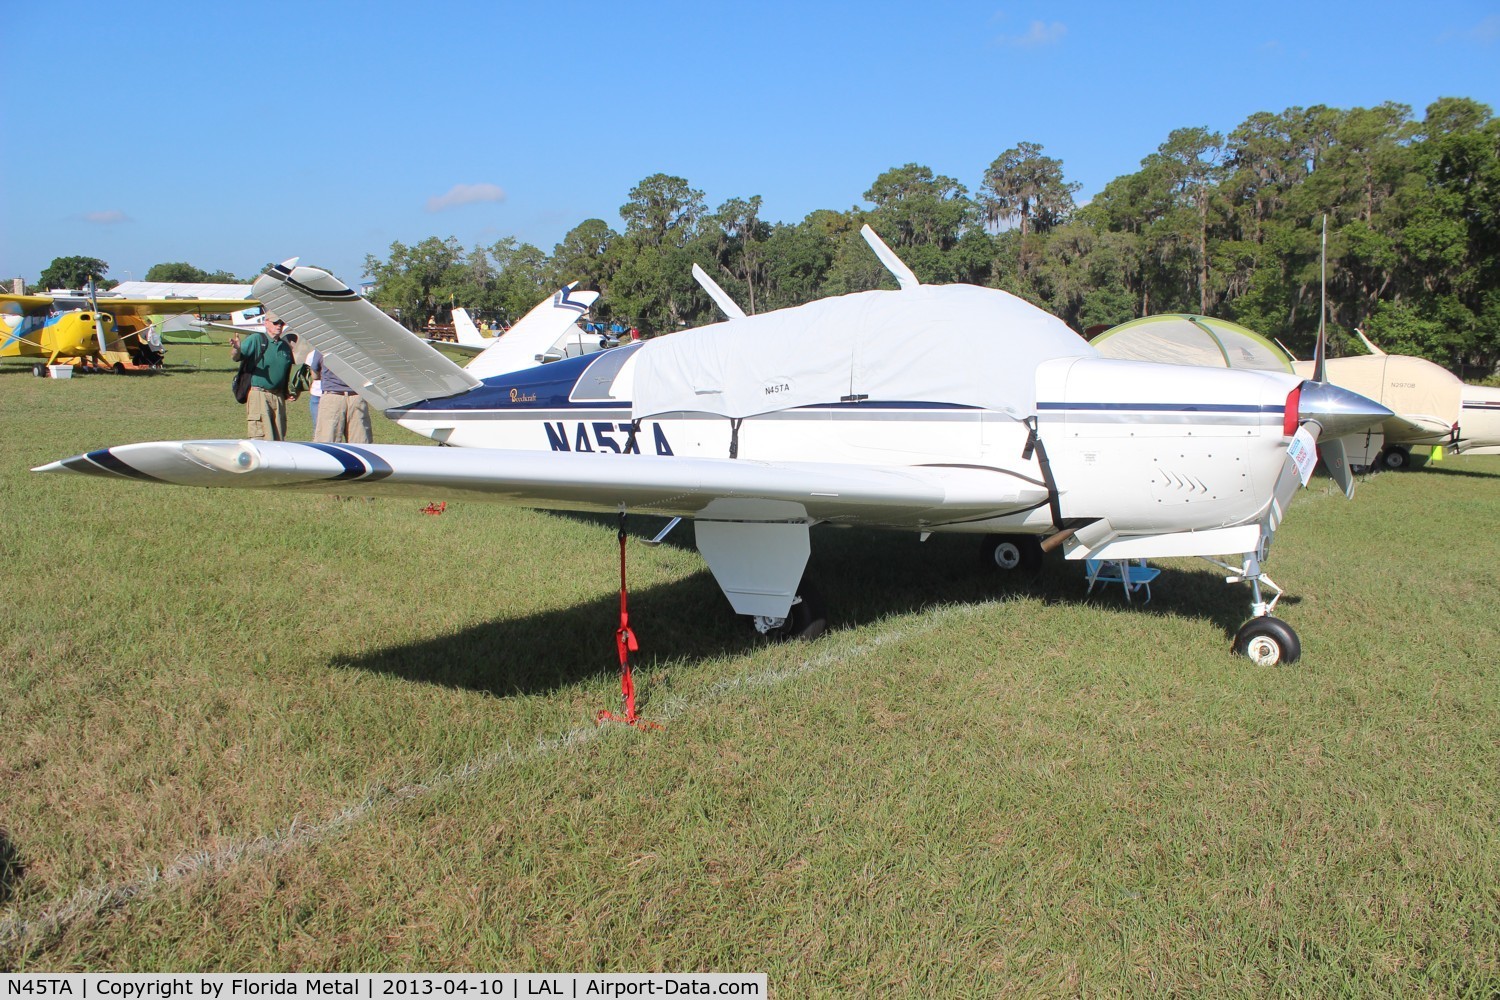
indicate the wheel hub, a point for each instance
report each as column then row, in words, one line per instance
column 1264, row 651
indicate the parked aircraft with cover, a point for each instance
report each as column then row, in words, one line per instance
column 835, row 412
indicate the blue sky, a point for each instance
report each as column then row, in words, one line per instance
column 232, row 135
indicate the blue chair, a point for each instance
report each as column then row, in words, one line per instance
column 1131, row 574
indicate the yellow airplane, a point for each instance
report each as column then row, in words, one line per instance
column 93, row 331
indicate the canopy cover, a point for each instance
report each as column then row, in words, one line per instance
column 1181, row 339
column 956, row 344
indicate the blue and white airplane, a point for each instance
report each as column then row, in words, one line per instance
column 842, row 411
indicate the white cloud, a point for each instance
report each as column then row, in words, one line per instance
column 1486, row 31
column 106, row 218
column 1037, row 34
column 466, row 194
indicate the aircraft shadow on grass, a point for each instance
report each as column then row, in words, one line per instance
column 1443, row 470
column 864, row 576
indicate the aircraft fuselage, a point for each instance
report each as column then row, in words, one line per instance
column 1154, row 448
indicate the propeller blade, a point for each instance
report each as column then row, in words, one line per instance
column 1336, row 461
column 1329, row 412
column 98, row 323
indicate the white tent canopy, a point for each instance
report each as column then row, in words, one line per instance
column 177, row 290
column 957, row 344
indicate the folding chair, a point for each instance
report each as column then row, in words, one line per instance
column 1131, row 574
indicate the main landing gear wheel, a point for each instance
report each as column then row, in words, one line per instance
column 807, row 618
column 1009, row 553
column 1395, row 458
column 1268, row 642
column 39, row 370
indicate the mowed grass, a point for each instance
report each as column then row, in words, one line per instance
column 248, row 730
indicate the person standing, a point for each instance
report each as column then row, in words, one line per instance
column 342, row 413
column 315, row 391
column 270, row 360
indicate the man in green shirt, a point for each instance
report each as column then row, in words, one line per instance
column 270, row 359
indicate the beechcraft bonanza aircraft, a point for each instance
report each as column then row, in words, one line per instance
column 89, row 329
column 835, row 412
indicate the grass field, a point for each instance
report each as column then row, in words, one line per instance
column 256, row 731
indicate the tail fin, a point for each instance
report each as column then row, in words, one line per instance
column 466, row 331
column 378, row 357
column 533, row 334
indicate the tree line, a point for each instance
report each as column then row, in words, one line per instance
column 75, row 272
column 1223, row 225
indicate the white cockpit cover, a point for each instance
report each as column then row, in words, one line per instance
column 958, row 344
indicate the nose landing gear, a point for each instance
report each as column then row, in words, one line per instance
column 1267, row 641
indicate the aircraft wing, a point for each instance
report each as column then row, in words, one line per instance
column 1404, row 426
column 878, row 496
column 25, row 305
column 131, row 306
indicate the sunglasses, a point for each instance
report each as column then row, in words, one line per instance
column 278, row 322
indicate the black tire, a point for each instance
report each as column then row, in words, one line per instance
column 1268, row 642
column 1011, row 553
column 807, row 619
column 1395, row 458
column 39, row 370
column 118, row 368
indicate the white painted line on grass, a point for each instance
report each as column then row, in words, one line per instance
column 85, row 904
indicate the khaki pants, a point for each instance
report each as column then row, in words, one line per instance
column 265, row 415
column 343, row 418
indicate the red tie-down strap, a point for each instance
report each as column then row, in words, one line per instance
column 625, row 644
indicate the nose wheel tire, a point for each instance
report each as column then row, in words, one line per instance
column 1268, row 642
column 1395, row 458
column 1010, row 553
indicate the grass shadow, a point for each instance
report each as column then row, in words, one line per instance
column 863, row 575
column 12, row 869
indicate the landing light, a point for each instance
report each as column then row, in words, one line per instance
column 230, row 456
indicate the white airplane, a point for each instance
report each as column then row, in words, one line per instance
column 834, row 412
column 549, row 332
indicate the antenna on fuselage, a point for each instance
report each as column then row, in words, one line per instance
column 1320, row 356
column 904, row 275
column 721, row 298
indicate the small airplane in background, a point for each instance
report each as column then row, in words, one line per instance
column 549, row 332
column 91, row 330
column 834, row 412
column 1475, row 429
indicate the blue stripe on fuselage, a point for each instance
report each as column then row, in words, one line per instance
column 1168, row 407
column 546, row 387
